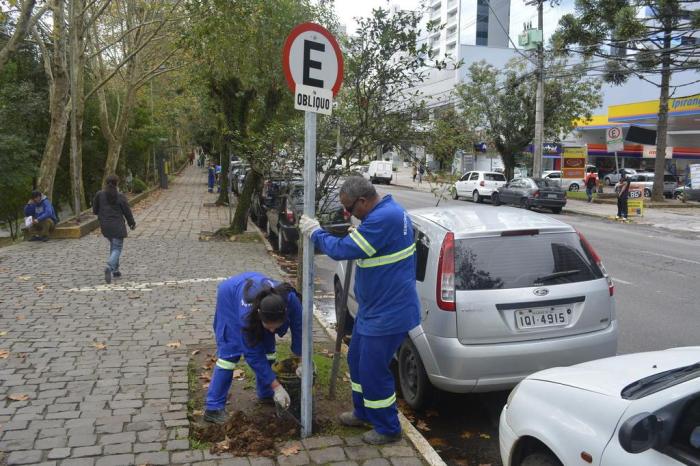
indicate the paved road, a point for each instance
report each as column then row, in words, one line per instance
column 656, row 274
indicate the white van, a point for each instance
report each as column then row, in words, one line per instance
column 379, row 172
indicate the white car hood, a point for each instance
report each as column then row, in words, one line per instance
column 610, row 376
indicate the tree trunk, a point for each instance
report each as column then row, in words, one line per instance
column 114, row 148
column 10, row 47
column 77, row 58
column 240, row 218
column 662, row 123
column 57, row 73
column 223, row 194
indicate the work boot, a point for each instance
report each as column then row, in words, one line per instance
column 349, row 419
column 108, row 275
column 116, row 274
column 375, row 438
column 215, row 416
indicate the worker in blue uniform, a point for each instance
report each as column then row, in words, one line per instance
column 250, row 310
column 385, row 288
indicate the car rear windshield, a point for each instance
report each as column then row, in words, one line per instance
column 494, row 177
column 545, row 183
column 506, row 262
column 669, row 179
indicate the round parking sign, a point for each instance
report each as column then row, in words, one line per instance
column 312, row 57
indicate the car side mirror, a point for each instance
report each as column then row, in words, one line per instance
column 640, row 433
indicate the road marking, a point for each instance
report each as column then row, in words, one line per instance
column 619, row 280
column 671, row 257
column 145, row 286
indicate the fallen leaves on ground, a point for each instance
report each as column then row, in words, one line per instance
column 205, row 386
column 437, row 442
column 40, row 288
column 199, row 299
column 24, row 278
column 206, row 377
column 422, row 426
column 98, row 345
column 18, row 397
column 290, row 450
column 181, row 316
column 485, row 436
column 4, row 354
column 197, row 412
column 3, row 333
column 195, row 352
column 133, row 296
column 195, row 309
column 224, row 445
column 239, row 374
column 20, row 318
column 174, row 344
column 466, row 435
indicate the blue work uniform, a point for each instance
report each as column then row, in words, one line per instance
column 211, row 173
column 230, row 321
column 385, row 289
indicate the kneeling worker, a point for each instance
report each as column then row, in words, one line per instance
column 385, row 287
column 250, row 310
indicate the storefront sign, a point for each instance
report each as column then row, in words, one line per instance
column 649, row 152
column 573, row 162
column 695, row 176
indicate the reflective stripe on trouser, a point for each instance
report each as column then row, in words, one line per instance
column 373, row 396
column 387, row 259
column 271, row 357
column 220, row 383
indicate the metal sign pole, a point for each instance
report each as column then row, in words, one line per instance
column 308, row 275
column 617, row 165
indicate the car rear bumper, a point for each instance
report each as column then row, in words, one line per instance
column 506, row 437
column 548, row 202
column 458, row 368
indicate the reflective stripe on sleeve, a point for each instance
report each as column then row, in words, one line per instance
column 224, row 364
column 362, row 243
column 378, row 404
column 388, row 259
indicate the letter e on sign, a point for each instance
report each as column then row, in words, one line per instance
column 312, row 59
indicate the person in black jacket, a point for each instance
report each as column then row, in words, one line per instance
column 111, row 208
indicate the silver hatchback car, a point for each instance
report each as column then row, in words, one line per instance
column 504, row 293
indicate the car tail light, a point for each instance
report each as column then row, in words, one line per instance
column 536, row 194
column 445, row 292
column 482, row 184
column 290, row 216
column 596, row 258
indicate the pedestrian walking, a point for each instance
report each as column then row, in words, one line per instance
column 414, row 172
column 421, row 172
column 623, row 191
column 111, row 208
column 250, row 310
column 385, row 287
column 43, row 216
column 129, row 181
column 191, row 157
column 591, row 182
column 211, row 177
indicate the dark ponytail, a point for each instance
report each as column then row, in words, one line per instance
column 269, row 304
column 111, row 189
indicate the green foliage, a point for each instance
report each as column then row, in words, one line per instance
column 502, row 104
column 449, row 134
column 139, row 186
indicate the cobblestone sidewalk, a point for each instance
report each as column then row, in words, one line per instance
column 92, row 374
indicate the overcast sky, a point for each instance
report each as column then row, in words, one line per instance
column 519, row 13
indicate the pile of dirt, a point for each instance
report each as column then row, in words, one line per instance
column 244, row 435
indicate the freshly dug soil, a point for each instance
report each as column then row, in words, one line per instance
column 254, row 428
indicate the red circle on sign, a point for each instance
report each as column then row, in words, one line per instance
column 303, row 27
column 614, row 132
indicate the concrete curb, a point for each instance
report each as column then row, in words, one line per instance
column 419, row 442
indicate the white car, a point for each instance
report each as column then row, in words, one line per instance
column 568, row 184
column 634, row 410
column 478, row 185
column 379, row 171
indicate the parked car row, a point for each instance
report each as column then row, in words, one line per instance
column 523, row 192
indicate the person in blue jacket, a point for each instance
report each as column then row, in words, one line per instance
column 385, row 288
column 250, row 310
column 43, row 215
column 211, row 180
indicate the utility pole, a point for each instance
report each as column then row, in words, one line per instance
column 539, row 104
